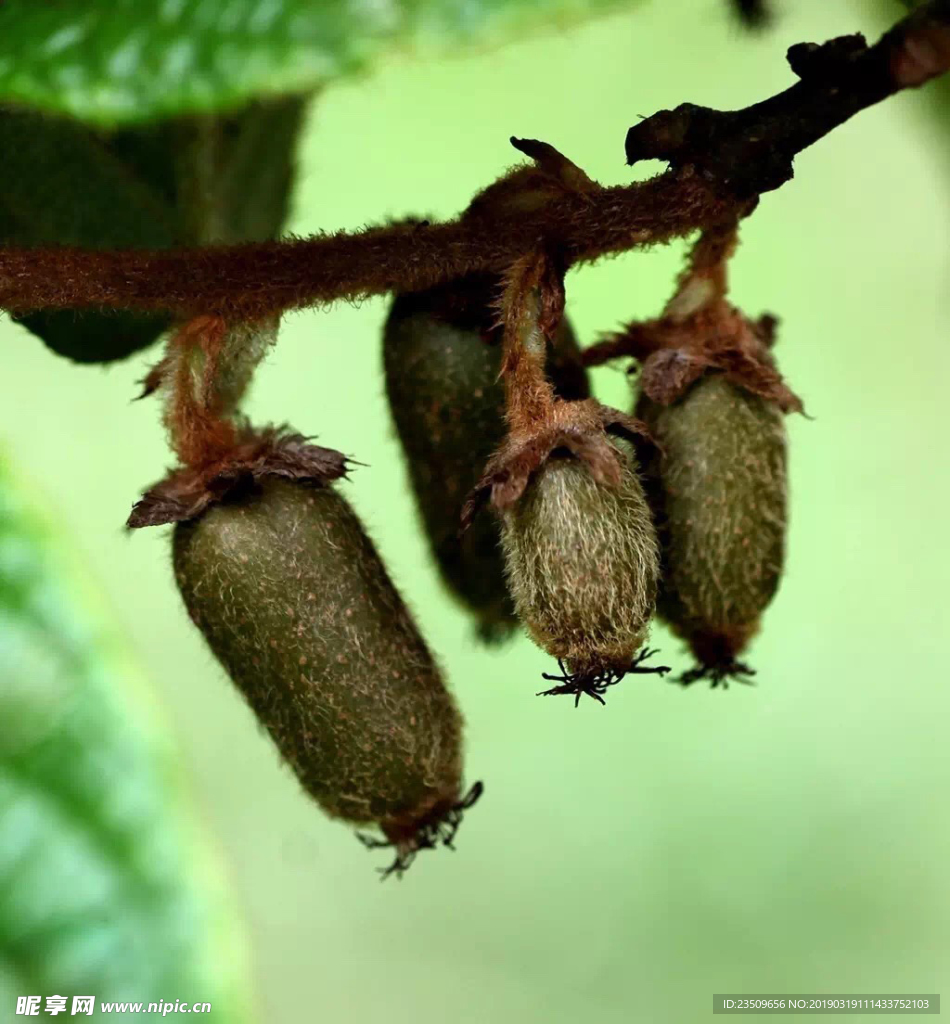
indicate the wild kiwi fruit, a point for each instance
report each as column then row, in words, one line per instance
column 442, row 368
column 296, row 604
column 718, row 488
column 583, row 564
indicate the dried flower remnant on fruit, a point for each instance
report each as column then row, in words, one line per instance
column 442, row 359
column 426, row 835
column 294, row 601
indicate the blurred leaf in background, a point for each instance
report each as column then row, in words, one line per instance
column 104, row 890
column 133, row 60
column 182, row 181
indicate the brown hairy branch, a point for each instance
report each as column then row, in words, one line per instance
column 719, row 161
column 259, row 279
column 751, row 151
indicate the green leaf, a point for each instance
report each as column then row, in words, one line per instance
column 132, row 60
column 185, row 181
column 99, row 870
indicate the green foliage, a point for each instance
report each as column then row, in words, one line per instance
column 245, row 66
column 95, row 859
column 134, row 60
column 64, row 184
column 189, row 180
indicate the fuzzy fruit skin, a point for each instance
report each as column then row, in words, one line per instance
column 297, row 606
column 583, row 563
column 720, row 494
column 448, row 406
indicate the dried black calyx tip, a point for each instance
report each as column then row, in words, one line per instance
column 438, row 830
column 719, row 675
column 596, row 684
column 580, row 683
column 716, row 653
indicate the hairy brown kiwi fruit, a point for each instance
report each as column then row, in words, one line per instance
column 296, row 604
column 448, row 406
column 583, row 563
column 718, row 488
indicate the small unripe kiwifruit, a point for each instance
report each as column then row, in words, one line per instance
column 294, row 601
column 448, row 406
column 582, row 562
column 719, row 491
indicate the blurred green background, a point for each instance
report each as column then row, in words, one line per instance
column 625, row 862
